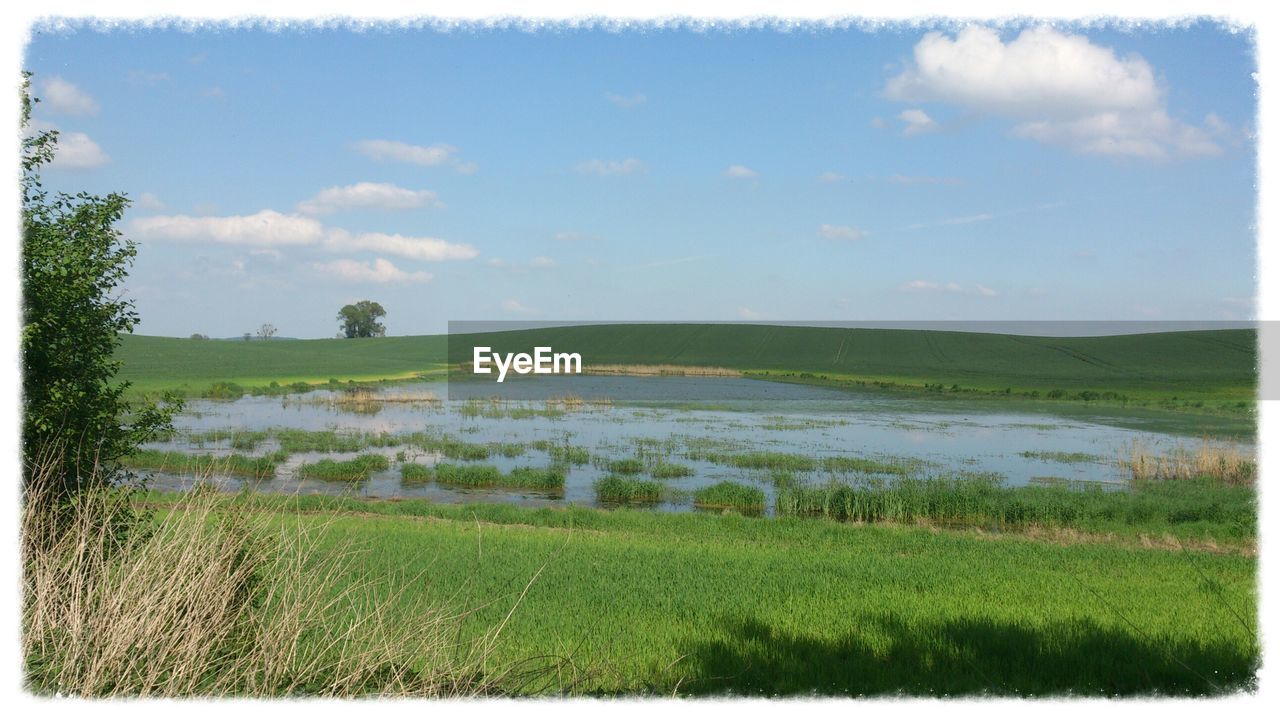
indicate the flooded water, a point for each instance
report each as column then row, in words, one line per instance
column 673, row 417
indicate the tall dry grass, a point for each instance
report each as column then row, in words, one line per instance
column 1218, row 461
column 202, row 599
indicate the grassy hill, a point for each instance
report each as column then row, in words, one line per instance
column 1215, row 368
column 189, row 367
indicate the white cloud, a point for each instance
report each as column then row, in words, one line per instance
column 917, row 122
column 77, row 151
column 841, row 232
column 1152, row 135
column 917, row 285
column 540, row 262
column 830, row 176
column 878, row 123
column 427, row 155
column 575, row 237
column 381, row 271
column 149, row 201
column 74, row 150
column 949, row 287
column 1059, row 88
column 214, row 92
column 62, row 97
column 746, row 313
column 627, row 101
column 517, row 307
column 367, row 195
column 270, row 254
column 604, row 168
column 923, row 180
column 267, row 228
column 417, row 248
column 145, row 77
column 967, row 219
column 740, row 172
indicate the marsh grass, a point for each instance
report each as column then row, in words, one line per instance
column 1191, row 507
column 501, row 409
column 730, row 495
column 664, row 470
column 621, row 489
column 256, row 467
column 368, row 399
column 623, row 466
column 867, row 466
column 660, row 369
column 1222, row 462
column 549, row 479
column 563, row 452
column 205, row 598
column 1060, row 456
column 757, row 460
column 357, row 469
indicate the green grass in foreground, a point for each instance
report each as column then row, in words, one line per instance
column 707, row 604
column 357, row 469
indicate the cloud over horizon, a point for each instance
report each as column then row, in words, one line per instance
column 1058, row 88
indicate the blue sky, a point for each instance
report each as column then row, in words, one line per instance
column 1022, row 173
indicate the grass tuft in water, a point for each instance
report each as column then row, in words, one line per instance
column 531, row 478
column 730, row 495
column 203, row 465
column 621, row 489
column 357, row 469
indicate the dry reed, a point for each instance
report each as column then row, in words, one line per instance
column 1221, row 462
column 209, row 598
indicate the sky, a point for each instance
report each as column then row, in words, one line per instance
column 906, row 172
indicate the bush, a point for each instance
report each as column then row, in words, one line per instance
column 73, row 263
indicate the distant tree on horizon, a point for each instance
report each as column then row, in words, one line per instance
column 199, row 336
column 360, row 320
column 267, row 331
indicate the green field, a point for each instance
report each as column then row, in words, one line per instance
column 641, row 602
column 1204, row 371
column 191, row 367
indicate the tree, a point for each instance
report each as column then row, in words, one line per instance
column 199, row 336
column 360, row 320
column 77, row 423
column 267, row 331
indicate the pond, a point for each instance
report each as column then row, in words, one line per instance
column 698, row 423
